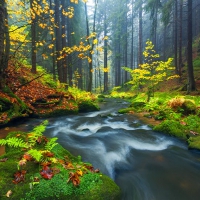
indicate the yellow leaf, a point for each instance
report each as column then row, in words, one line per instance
column 95, row 41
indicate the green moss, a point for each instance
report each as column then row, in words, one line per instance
column 125, row 110
column 101, row 96
column 92, row 185
column 87, row 106
column 171, row 127
column 194, row 142
column 189, row 107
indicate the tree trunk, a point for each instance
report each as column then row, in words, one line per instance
column 180, row 37
column 64, row 44
column 191, row 81
column 33, row 39
column 105, row 52
column 69, row 57
column 53, row 49
column 92, row 45
column 140, row 36
column 7, row 41
column 126, row 43
column 175, row 35
column 2, row 31
column 58, row 41
column 132, row 41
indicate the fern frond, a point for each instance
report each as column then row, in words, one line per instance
column 41, row 128
column 36, row 133
column 3, row 142
column 37, row 155
column 51, row 144
column 14, row 142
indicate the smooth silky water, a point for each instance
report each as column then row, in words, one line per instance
column 146, row 165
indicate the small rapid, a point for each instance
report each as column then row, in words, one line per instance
column 146, row 165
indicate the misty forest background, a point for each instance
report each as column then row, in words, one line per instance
column 86, row 44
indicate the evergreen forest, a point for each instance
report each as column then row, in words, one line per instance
column 68, row 57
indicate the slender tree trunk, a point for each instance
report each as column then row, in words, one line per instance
column 140, row 36
column 126, row 43
column 92, row 45
column 191, row 81
column 180, row 37
column 2, row 31
column 175, row 35
column 58, row 41
column 105, row 52
column 64, row 44
column 132, row 40
column 33, row 39
column 7, row 41
column 69, row 57
column 53, row 49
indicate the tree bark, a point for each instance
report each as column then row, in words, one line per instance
column 191, row 81
column 2, row 31
column 58, row 41
column 180, row 37
column 140, row 36
column 105, row 51
column 64, row 43
column 33, row 39
column 175, row 35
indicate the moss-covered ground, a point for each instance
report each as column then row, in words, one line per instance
column 37, row 168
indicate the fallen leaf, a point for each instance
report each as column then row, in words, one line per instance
column 46, row 172
column 9, row 193
column 3, row 159
column 19, row 176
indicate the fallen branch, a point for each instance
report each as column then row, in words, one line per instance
column 29, row 81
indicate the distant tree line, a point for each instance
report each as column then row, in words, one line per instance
column 86, row 46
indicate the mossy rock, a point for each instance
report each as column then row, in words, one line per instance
column 87, row 106
column 5, row 104
column 194, row 142
column 92, row 185
column 101, row 96
column 171, row 127
column 189, row 107
column 126, row 110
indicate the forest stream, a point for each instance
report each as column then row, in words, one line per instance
column 146, row 165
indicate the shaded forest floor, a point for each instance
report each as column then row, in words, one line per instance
column 26, row 94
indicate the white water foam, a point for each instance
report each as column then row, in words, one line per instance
column 142, row 145
column 94, row 114
column 93, row 128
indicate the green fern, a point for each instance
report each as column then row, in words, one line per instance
column 36, row 133
column 51, row 144
column 14, row 142
column 37, row 155
column 38, row 130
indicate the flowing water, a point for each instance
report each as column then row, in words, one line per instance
column 146, row 165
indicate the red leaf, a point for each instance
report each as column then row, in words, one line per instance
column 19, row 176
column 46, row 172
